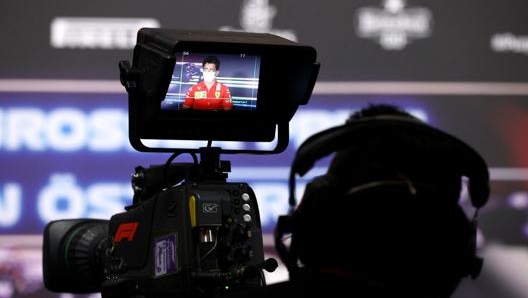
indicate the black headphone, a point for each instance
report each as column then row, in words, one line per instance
column 467, row 161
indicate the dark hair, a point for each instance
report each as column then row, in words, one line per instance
column 213, row 60
column 373, row 110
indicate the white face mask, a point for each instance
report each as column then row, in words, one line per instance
column 209, row 76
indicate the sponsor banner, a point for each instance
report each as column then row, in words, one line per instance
column 373, row 40
column 67, row 155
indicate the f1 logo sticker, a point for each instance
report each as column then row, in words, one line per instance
column 126, row 231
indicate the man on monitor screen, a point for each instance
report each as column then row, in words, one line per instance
column 209, row 94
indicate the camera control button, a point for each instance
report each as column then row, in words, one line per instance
column 245, row 196
column 246, row 207
column 246, row 217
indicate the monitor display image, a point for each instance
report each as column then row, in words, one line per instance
column 235, row 81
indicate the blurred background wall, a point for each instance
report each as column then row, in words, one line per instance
column 459, row 64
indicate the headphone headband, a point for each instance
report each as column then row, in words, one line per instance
column 470, row 164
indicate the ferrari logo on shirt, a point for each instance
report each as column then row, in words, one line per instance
column 217, row 94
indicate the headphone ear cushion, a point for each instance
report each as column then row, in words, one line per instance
column 305, row 227
column 315, row 191
column 298, row 225
column 284, row 227
column 455, row 237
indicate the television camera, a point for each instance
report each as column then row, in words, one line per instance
column 188, row 231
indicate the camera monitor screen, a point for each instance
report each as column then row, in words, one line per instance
column 209, row 81
column 215, row 86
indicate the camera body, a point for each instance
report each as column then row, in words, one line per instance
column 188, row 232
column 191, row 239
column 200, row 237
